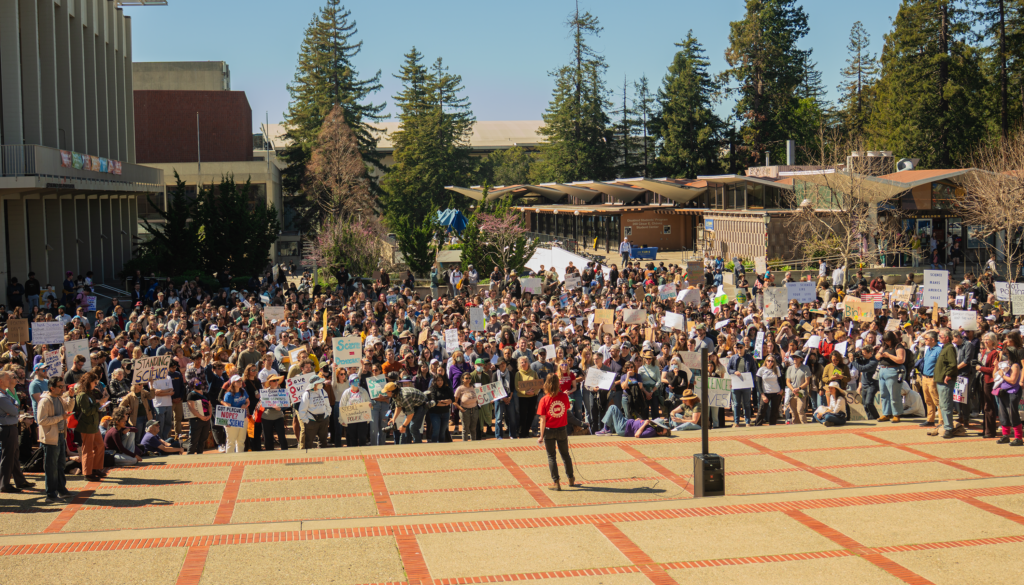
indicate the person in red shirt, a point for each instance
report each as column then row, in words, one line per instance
column 553, row 410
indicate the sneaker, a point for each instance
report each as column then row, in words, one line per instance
column 66, row 495
column 948, row 435
column 789, row 422
column 222, row 449
column 1003, row 440
column 883, row 418
column 1017, row 443
column 9, row 489
column 603, row 432
column 829, row 423
column 54, row 500
column 927, row 424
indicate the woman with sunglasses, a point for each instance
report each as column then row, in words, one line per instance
column 771, row 391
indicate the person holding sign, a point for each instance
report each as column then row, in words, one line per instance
column 235, row 396
column 526, row 395
column 437, row 416
column 273, row 418
column 314, row 410
column 1007, row 391
column 553, row 411
column 356, row 434
column 891, row 357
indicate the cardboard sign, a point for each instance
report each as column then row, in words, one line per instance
column 54, row 367
column 634, row 316
column 901, row 293
column 801, row 292
column 691, row 359
column 760, row 265
column 293, row 355
column 599, row 379
column 17, row 331
column 936, row 288
column 451, row 340
column 476, row 319
column 674, row 320
column 148, row 369
column 604, row 316
column 667, row 291
column 966, row 319
column 530, row 387
column 275, row 397
column 225, row 416
column 1017, row 304
column 48, row 333
column 532, row 285
column 347, row 351
column 488, row 393
column 355, row 413
column 187, row 412
column 273, row 313
column 776, row 302
column 422, row 339
column 295, row 386
column 78, row 347
column 375, row 385
column 572, row 282
column 859, row 311
column 892, row 325
column 694, row 272
column 719, row 391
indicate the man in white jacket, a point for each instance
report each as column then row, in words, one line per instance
column 624, row 250
column 315, row 414
column 357, row 434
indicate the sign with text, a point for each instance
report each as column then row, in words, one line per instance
column 859, row 311
column 490, row 392
column 48, row 333
column 760, row 265
column 54, row 367
column 936, row 288
column 225, row 416
column 719, row 391
column 1017, row 304
column 667, row 291
column 691, row 359
column 273, row 313
column 148, row 369
column 375, row 385
column 348, row 351
column 572, row 282
column 694, row 272
column 275, row 397
column 801, row 292
column 776, row 302
column 355, row 413
column 968, row 320
column 476, row 319
column 604, row 316
column 17, row 331
column 674, row 320
column 78, row 347
column 451, row 340
column 530, row 387
column 901, row 293
column 531, row 285
column 599, row 379
column 634, row 316
column 295, row 386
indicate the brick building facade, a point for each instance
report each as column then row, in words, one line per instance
column 165, row 126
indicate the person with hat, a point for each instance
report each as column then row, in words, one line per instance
column 481, row 377
column 272, row 418
column 314, row 410
column 39, row 384
column 410, row 406
column 686, row 416
column 234, row 396
column 798, row 384
column 650, row 376
column 834, row 413
column 357, row 434
column 52, row 413
column 154, row 445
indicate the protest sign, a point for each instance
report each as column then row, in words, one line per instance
column 54, row 367
column 48, row 333
column 758, row 345
column 476, row 319
column 17, row 331
column 936, row 288
column 295, row 386
column 719, row 391
column 966, row 319
column 355, row 413
column 840, row 348
column 760, row 265
column 1017, row 304
column 273, row 313
column 293, row 355
column 163, row 384
column 674, row 320
column 634, row 316
column 776, row 302
column 422, row 339
column 741, row 380
column 691, row 359
column 1002, row 292
column 901, row 293
column 531, row 285
column 90, row 303
column 488, row 393
column 187, row 412
column 599, row 379
column 225, row 416
column 690, row 296
column 76, row 348
column 960, row 390
column 694, row 272
column 801, row 292
column 814, row 341
column 572, row 281
column 148, row 369
column 530, row 387
column 667, row 291
column 348, row 351
column 604, row 316
column 859, row 311
column 451, row 340
column 275, row 397
column 892, row 325
column 375, row 385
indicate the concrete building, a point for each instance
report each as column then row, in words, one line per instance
column 68, row 174
column 182, row 76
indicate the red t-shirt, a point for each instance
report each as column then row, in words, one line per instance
column 565, row 382
column 555, row 409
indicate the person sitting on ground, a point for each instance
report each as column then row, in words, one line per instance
column 126, row 454
column 154, row 445
column 833, row 415
column 686, row 416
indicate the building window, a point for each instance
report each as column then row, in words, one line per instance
column 755, row 196
column 943, row 196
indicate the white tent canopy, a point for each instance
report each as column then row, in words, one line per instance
column 558, row 258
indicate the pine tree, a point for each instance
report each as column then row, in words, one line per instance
column 645, row 103
column 508, row 167
column 626, row 129
column 172, row 247
column 576, row 124
column 811, row 86
column 235, row 227
column 856, row 93
column 686, row 128
column 925, row 103
column 768, row 67
column 326, row 76
column 1001, row 23
column 432, row 143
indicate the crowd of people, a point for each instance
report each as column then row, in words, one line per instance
column 637, row 326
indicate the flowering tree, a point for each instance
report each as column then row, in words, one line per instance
column 504, row 235
column 358, row 243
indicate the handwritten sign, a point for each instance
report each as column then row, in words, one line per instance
column 355, row 413
column 694, row 272
column 674, row 320
column 760, row 265
column 572, row 281
column 451, row 340
column 901, row 293
column 1017, row 304
column 690, row 296
column 892, row 325
column 196, row 404
column 530, row 387
column 776, row 302
column 90, row 303
column 604, row 316
column 476, row 319
column 960, row 390
column 691, row 359
column 531, row 285
column 490, row 392
column 54, row 367
column 801, row 292
column 376, row 385
column 148, row 369
column 348, row 351
column 1002, row 292
column 667, row 291
column 719, row 391
column 599, row 379
column 48, row 333
column 17, row 331
column 968, row 320
column 275, row 397
column 634, row 316
column 936, row 288
column 296, row 385
column 859, row 311
column 273, row 313
column 225, row 416
column 759, row 345
column 78, row 347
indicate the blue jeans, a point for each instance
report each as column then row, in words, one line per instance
column 414, row 432
column 165, row 416
column 837, row 420
column 868, row 399
column 54, row 458
column 741, row 399
column 434, row 291
column 512, row 416
column 378, row 420
column 503, row 416
column 438, row 424
column 891, row 391
column 615, row 420
column 688, row 426
column 591, row 407
column 946, row 405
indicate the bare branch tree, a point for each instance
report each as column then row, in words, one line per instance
column 336, row 178
column 992, row 206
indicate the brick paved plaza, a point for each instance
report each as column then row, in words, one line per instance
column 876, row 504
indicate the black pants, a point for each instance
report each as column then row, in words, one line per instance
column 270, row 428
column 769, row 411
column 558, row 438
column 527, row 412
column 255, row 443
column 10, row 469
column 220, row 436
column 198, row 431
column 357, row 434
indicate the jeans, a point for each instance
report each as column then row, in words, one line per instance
column 946, row 406
column 591, row 407
column 687, row 426
column 1009, row 416
column 54, row 458
column 868, row 399
column 891, row 391
column 558, row 438
column 615, row 420
column 414, row 432
column 502, row 416
column 165, row 416
column 741, row 398
column 378, row 420
column 470, row 417
column 837, row 420
column 33, row 301
column 438, row 424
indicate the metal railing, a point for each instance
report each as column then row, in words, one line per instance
column 27, row 160
column 17, row 161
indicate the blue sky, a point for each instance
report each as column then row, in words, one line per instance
column 502, row 50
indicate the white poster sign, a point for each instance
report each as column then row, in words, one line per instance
column 490, row 392
column 476, row 319
column 54, row 367
column 935, row 288
column 48, row 333
column 273, row 313
column 348, row 351
column 719, row 391
column 274, row 397
column 667, row 291
column 966, row 319
column 674, row 320
column 225, row 416
column 801, row 292
column 76, row 348
column 296, row 385
column 531, row 285
column 572, row 282
column 634, row 316
column 451, row 340
column 375, row 385
column 760, row 265
column 776, row 302
column 599, row 379
column 741, row 381
column 690, row 296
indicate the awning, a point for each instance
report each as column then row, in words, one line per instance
column 675, row 192
column 623, row 193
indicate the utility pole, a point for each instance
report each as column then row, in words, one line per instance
column 199, row 155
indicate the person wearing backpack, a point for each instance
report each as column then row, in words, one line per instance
column 87, row 412
column 52, row 419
